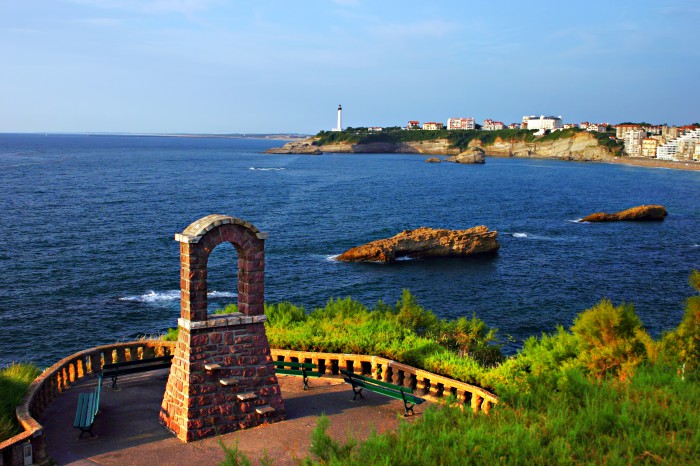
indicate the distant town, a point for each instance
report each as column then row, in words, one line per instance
column 644, row 140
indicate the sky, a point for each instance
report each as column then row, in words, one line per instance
column 271, row 66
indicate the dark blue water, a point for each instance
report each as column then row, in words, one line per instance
column 88, row 257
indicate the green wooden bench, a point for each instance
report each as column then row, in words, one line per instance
column 114, row 370
column 360, row 382
column 304, row 369
column 88, row 406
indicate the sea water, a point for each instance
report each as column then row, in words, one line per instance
column 88, row 257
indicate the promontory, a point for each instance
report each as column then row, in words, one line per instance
column 466, row 146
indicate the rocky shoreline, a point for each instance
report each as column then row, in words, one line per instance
column 582, row 147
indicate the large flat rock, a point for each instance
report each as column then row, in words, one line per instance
column 426, row 242
column 643, row 213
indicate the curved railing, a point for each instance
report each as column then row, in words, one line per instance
column 57, row 378
column 424, row 383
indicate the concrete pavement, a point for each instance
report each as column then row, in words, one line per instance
column 128, row 432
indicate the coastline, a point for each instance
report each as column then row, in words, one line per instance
column 654, row 163
column 632, row 161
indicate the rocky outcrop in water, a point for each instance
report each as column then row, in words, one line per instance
column 296, row 147
column 472, row 155
column 425, row 242
column 643, row 213
column 433, row 160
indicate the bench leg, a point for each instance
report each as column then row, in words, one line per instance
column 407, row 405
column 88, row 430
column 356, row 392
column 114, row 382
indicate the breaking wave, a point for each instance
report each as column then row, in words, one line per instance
column 171, row 295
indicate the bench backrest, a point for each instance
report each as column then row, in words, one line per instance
column 98, row 392
column 372, row 381
column 294, row 365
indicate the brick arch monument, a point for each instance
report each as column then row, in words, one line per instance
column 222, row 378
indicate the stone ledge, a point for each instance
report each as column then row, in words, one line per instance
column 265, row 410
column 182, row 238
column 228, row 320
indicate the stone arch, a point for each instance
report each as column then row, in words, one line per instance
column 197, row 242
column 222, row 377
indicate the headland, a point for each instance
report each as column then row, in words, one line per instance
column 570, row 144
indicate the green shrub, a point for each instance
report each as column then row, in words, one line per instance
column 611, row 338
column 683, row 344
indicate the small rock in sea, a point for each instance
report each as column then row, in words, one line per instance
column 643, row 213
column 433, row 160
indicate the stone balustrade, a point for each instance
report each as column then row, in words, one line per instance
column 426, row 384
column 88, row 363
column 56, row 379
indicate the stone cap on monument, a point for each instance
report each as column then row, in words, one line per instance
column 197, row 229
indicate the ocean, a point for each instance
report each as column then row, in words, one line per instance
column 88, row 255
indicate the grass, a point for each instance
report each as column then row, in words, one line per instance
column 651, row 420
column 14, row 380
column 601, row 392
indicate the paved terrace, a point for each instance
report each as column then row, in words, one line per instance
column 128, row 431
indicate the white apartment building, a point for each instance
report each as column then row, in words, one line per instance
column 542, row 123
column 687, row 144
column 461, row 123
column 683, row 147
column 633, row 141
column 667, row 151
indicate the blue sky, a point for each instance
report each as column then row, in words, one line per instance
column 218, row 66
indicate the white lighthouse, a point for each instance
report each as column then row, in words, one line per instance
column 340, row 116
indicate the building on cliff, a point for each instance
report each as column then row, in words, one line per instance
column 461, row 123
column 490, row 125
column 432, row 125
column 542, row 123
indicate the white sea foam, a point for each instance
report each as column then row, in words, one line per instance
column 332, row 257
column 171, row 295
column 267, row 169
column 222, row 294
column 578, row 220
column 153, row 296
column 519, row 235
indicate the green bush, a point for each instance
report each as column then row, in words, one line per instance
column 406, row 332
column 611, row 339
column 683, row 344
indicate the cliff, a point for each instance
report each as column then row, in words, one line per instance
column 579, row 146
